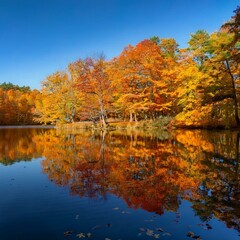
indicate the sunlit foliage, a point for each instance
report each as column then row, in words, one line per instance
column 197, row 86
column 17, row 104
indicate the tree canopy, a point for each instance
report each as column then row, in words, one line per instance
column 197, row 86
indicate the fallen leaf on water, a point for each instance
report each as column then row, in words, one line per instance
column 124, row 212
column 149, row 232
column 89, row 235
column 190, row 234
column 167, row 234
column 67, row 233
column 196, row 237
column 208, row 226
column 157, row 235
column 81, row 235
column 160, row 229
column 96, row 227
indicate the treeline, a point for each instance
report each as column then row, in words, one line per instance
column 8, row 86
column 17, row 104
column 197, row 86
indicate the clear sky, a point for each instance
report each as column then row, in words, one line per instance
column 39, row 37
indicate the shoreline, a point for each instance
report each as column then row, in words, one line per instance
column 26, row 126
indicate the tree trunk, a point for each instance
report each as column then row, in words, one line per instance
column 234, row 94
column 102, row 115
column 131, row 117
column 135, row 117
column 104, row 123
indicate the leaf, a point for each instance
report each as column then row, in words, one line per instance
column 81, row 235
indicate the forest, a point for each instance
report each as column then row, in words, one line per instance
column 195, row 87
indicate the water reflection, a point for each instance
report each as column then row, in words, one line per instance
column 18, row 144
column 217, row 157
column 153, row 171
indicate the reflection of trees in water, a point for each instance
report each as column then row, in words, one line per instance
column 219, row 193
column 77, row 161
column 19, row 145
column 151, row 172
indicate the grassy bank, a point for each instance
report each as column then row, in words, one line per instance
column 160, row 123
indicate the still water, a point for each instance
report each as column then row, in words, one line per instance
column 119, row 185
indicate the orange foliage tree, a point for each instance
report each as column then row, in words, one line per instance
column 143, row 76
column 92, row 80
column 17, row 105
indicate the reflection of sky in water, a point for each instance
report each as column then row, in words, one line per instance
column 33, row 207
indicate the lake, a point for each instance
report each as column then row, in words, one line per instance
column 119, row 185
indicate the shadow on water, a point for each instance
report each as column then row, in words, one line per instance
column 153, row 171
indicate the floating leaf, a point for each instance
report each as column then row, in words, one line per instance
column 190, row 234
column 124, row 212
column 197, row 237
column 67, row 233
column 96, row 227
column 208, row 226
column 89, row 235
column 149, row 232
column 81, row 235
column 167, row 234
column 160, row 229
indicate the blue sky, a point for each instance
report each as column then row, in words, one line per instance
column 39, row 37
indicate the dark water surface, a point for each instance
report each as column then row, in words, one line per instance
column 119, row 185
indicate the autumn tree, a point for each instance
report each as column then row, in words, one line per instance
column 92, row 81
column 214, row 79
column 143, row 77
column 16, row 104
column 59, row 102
